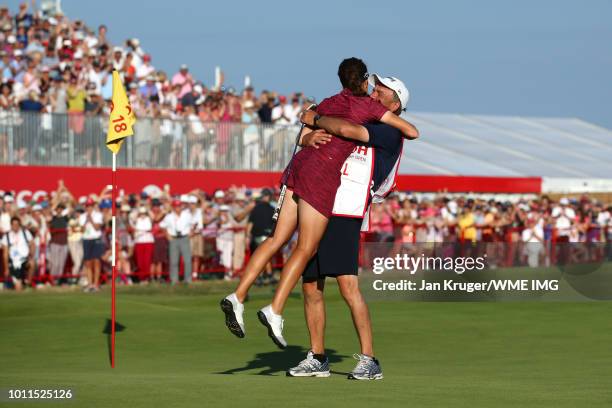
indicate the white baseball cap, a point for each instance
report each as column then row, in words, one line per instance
column 219, row 194
column 564, row 201
column 395, row 84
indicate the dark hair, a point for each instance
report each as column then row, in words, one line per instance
column 352, row 72
column 13, row 219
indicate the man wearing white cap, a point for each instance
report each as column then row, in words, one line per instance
column 178, row 226
column 366, row 178
column 118, row 58
column 184, row 79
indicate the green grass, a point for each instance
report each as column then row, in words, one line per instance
column 176, row 351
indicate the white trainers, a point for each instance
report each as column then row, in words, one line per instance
column 274, row 323
column 368, row 368
column 310, row 367
column 233, row 309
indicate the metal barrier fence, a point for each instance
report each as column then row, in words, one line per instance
column 76, row 139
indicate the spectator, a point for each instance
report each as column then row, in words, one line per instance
column 76, row 97
column 18, row 246
column 196, row 240
column 6, row 202
column 279, row 112
column 533, row 238
column 250, row 137
column 225, row 240
column 467, row 228
column 94, row 107
column 58, row 246
column 259, row 227
column 118, row 59
column 293, row 110
column 381, row 222
column 9, row 117
column 183, row 79
column 75, row 246
column 143, row 242
column 149, row 90
column 145, row 71
column 240, row 211
column 93, row 248
column 160, row 243
column 178, row 226
column 195, row 138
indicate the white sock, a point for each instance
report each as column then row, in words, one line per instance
column 234, row 297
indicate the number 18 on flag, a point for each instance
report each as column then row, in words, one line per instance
column 121, row 117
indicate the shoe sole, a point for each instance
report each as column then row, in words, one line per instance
column 230, row 318
column 375, row 377
column 320, row 374
column 262, row 318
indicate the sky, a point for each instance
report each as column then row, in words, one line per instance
column 534, row 58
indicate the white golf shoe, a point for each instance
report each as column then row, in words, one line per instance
column 274, row 323
column 233, row 309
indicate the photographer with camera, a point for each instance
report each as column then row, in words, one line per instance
column 19, row 247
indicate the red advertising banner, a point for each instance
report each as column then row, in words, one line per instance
column 82, row 181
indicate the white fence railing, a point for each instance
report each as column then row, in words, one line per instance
column 78, row 140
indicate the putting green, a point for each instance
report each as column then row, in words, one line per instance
column 176, row 351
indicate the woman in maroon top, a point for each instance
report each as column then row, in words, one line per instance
column 312, row 180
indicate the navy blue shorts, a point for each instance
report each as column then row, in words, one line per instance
column 92, row 249
column 338, row 252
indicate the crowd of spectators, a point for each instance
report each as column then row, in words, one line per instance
column 59, row 239
column 524, row 231
column 51, row 64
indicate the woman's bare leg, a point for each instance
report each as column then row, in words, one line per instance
column 311, row 229
column 287, row 222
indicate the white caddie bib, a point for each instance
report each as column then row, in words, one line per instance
column 355, row 181
column 353, row 195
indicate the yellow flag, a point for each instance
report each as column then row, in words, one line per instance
column 122, row 117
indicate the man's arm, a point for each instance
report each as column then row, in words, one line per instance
column 336, row 126
column 408, row 129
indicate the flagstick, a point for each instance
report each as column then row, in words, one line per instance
column 114, row 274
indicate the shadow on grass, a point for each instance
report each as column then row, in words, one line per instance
column 274, row 362
column 108, row 325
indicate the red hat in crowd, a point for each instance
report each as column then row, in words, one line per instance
column 176, row 203
column 89, row 201
column 282, row 98
column 146, row 57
